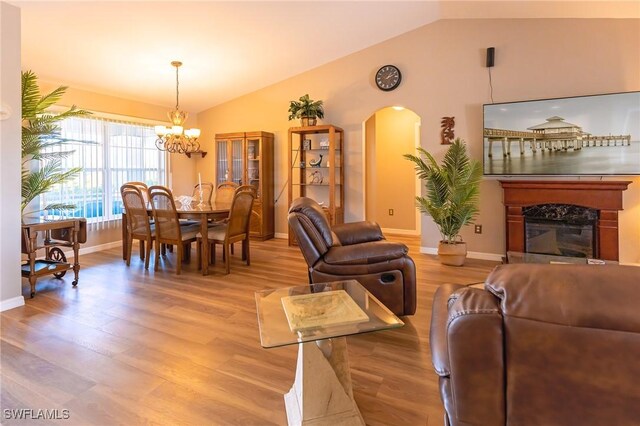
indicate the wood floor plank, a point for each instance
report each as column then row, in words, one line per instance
column 129, row 346
column 39, row 375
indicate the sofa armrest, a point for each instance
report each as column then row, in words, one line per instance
column 475, row 338
column 365, row 253
column 438, row 330
column 358, row 232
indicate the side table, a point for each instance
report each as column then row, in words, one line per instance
column 317, row 318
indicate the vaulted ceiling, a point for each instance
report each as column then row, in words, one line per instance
column 232, row 48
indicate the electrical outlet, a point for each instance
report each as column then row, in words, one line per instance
column 390, row 212
column 478, row 229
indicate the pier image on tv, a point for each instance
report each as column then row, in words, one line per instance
column 586, row 135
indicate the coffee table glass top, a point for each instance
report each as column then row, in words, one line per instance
column 319, row 311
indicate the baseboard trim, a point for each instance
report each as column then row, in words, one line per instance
column 428, row 250
column 281, row 235
column 412, row 232
column 14, row 302
column 470, row 254
column 93, row 249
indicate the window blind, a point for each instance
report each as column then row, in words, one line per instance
column 110, row 152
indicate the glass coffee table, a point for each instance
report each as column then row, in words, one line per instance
column 317, row 318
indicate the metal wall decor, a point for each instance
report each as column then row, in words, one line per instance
column 447, row 135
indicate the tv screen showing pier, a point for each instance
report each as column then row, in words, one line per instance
column 584, row 135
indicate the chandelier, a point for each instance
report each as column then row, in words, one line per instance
column 176, row 139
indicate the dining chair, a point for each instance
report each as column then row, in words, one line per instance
column 207, row 192
column 225, row 191
column 137, row 222
column 167, row 226
column 234, row 230
column 144, row 189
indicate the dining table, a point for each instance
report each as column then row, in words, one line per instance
column 198, row 211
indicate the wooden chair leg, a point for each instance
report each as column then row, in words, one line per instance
column 244, row 249
column 212, row 254
column 179, row 260
column 141, row 249
column 147, row 255
column 227, row 263
column 247, row 254
column 199, row 254
column 164, row 249
column 129, row 249
column 232, row 249
column 186, row 250
column 157, row 257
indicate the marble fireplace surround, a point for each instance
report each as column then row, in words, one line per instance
column 603, row 196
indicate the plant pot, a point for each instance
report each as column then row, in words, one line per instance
column 452, row 254
column 308, row 121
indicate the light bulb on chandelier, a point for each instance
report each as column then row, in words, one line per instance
column 176, row 139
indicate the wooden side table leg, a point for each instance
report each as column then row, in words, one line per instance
column 33, row 238
column 321, row 393
column 76, row 257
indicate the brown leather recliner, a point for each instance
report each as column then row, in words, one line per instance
column 540, row 345
column 354, row 251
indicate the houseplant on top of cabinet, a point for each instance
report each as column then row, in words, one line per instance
column 451, row 198
column 307, row 110
column 40, row 132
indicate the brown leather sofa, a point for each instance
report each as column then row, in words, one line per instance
column 540, row 345
column 356, row 251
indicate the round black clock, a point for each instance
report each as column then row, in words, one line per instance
column 388, row 77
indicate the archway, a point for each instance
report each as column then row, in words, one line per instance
column 390, row 183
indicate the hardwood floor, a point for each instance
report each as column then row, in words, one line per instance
column 130, row 346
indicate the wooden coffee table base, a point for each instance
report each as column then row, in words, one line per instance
column 321, row 393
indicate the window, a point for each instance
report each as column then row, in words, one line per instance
column 110, row 154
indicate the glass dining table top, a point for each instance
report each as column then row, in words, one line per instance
column 313, row 312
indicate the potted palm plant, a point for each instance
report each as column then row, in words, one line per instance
column 452, row 191
column 41, row 168
column 307, row 110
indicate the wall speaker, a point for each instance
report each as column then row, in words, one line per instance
column 491, row 54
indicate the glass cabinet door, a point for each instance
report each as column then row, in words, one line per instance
column 237, row 159
column 222, row 162
column 253, row 165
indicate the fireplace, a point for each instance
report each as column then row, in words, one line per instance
column 591, row 207
column 560, row 229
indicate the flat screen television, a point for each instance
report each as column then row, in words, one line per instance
column 582, row 135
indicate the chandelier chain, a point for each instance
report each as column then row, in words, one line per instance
column 177, row 87
column 176, row 139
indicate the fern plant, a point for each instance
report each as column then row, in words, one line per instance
column 452, row 188
column 40, row 131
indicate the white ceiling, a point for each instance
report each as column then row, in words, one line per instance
column 228, row 48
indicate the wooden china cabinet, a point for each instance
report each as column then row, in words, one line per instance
column 246, row 158
column 316, row 169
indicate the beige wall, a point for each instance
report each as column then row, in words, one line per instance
column 444, row 75
column 370, row 175
column 390, row 183
column 104, row 103
column 10, row 281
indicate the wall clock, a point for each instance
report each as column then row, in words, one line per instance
column 388, row 77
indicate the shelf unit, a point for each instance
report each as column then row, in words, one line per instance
column 246, row 158
column 323, row 182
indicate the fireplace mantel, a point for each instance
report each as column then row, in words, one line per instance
column 604, row 196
